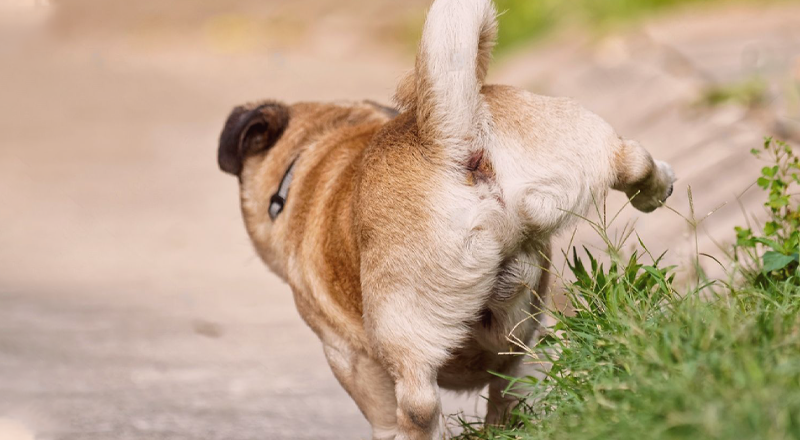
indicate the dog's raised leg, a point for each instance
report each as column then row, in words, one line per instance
column 645, row 181
column 369, row 385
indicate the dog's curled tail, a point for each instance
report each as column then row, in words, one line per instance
column 444, row 88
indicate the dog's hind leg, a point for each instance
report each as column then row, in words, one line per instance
column 419, row 406
column 415, row 332
column 502, row 397
column 500, row 403
column 645, row 181
column 370, row 386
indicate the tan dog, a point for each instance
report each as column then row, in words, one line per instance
column 410, row 241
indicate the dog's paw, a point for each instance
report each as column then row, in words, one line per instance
column 667, row 177
column 656, row 189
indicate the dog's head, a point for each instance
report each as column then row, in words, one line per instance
column 256, row 147
column 262, row 141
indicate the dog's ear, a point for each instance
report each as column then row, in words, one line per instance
column 250, row 130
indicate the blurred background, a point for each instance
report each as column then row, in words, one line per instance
column 132, row 305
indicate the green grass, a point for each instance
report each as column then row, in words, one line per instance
column 750, row 93
column 643, row 359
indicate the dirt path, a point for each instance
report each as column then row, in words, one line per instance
column 131, row 303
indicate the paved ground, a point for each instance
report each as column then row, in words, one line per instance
column 131, row 303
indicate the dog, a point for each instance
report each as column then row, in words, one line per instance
column 412, row 239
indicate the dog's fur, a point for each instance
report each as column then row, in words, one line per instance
column 412, row 241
